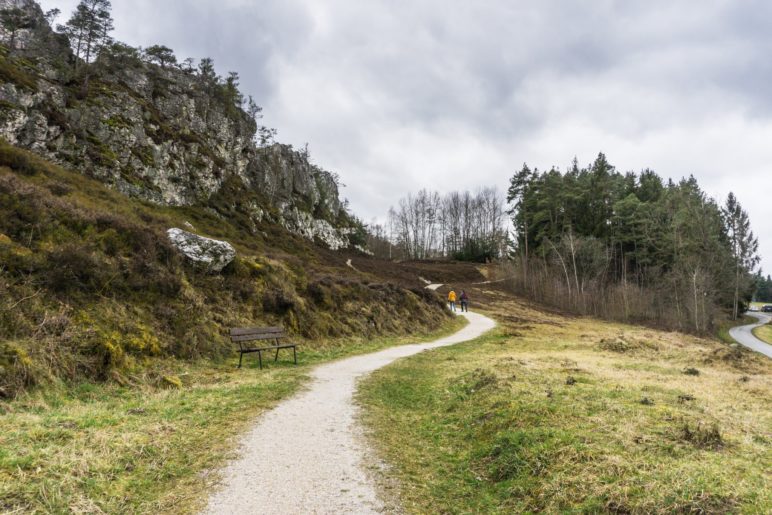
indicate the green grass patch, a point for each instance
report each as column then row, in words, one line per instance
column 549, row 421
column 93, row 447
column 18, row 73
column 764, row 333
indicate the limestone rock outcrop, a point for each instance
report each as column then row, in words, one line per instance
column 213, row 255
column 168, row 135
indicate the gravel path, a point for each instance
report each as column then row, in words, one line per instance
column 306, row 455
column 744, row 334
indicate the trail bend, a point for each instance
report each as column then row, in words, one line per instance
column 744, row 334
column 307, row 455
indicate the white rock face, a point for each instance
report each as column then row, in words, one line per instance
column 363, row 250
column 212, row 254
column 305, row 225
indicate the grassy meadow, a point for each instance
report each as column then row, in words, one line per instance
column 553, row 414
column 104, row 448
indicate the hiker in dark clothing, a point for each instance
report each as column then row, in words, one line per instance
column 464, row 298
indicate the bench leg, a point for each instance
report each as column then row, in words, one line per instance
column 260, row 359
column 295, row 355
column 276, row 358
column 241, row 355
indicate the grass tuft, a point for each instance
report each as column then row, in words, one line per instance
column 703, row 436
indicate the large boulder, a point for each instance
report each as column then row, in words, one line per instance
column 214, row 255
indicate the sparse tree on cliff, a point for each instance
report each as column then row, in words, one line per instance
column 231, row 89
column 206, row 70
column 52, row 15
column 188, row 65
column 89, row 28
column 161, row 54
column 13, row 20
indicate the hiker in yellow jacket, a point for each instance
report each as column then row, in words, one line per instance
column 452, row 300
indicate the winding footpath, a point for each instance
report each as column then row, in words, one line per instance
column 744, row 334
column 308, row 454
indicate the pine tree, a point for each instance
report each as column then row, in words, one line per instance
column 606, row 231
column 89, row 28
column 13, row 20
column 163, row 55
column 206, row 70
column 744, row 246
column 763, row 288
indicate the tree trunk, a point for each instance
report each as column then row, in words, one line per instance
column 735, row 312
column 696, row 305
column 565, row 270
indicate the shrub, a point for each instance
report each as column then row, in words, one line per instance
column 11, row 72
column 17, row 160
column 16, row 369
column 278, row 300
column 171, row 382
column 320, row 293
column 72, row 267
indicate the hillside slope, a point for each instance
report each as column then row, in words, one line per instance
column 92, row 287
column 100, row 159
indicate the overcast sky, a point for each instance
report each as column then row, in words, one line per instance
column 397, row 95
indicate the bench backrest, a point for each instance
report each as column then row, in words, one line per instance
column 248, row 334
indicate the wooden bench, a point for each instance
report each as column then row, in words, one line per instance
column 243, row 336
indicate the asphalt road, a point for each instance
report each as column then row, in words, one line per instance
column 744, row 334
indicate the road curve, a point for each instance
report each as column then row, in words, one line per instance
column 307, row 455
column 744, row 334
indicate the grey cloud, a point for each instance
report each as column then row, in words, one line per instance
column 402, row 94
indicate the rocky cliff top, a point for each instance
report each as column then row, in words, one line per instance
column 168, row 135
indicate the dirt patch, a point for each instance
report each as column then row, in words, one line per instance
column 737, row 357
column 700, row 434
column 476, row 381
column 624, row 343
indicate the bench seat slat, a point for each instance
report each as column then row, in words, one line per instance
column 243, row 331
column 271, row 347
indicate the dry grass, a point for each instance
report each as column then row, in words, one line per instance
column 553, row 414
column 764, row 333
